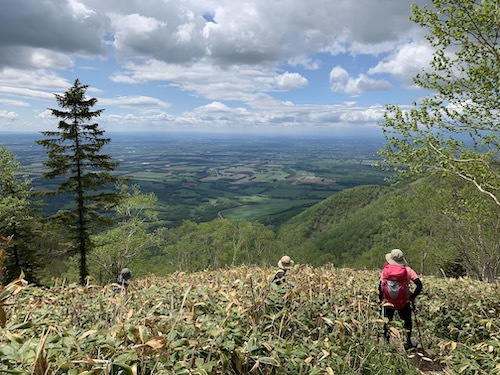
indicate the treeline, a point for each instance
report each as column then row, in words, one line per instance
column 210, row 245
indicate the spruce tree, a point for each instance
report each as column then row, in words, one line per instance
column 76, row 160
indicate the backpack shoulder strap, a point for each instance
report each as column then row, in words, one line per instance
column 276, row 275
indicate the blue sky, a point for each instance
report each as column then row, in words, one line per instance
column 282, row 66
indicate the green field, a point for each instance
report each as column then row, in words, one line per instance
column 252, row 178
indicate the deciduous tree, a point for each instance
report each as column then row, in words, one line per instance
column 120, row 246
column 18, row 219
column 217, row 243
column 455, row 130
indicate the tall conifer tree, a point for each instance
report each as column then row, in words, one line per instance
column 75, row 158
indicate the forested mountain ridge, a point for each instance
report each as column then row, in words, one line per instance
column 334, row 209
column 341, row 226
column 442, row 224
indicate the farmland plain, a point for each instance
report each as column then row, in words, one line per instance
column 201, row 177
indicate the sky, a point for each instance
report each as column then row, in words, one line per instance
column 280, row 66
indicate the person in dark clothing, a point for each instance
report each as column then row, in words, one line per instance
column 284, row 264
column 123, row 280
column 396, row 257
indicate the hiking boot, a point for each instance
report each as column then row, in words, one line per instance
column 410, row 345
column 387, row 337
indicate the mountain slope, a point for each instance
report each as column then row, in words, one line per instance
column 338, row 229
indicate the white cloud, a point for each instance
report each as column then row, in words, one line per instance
column 218, row 107
column 135, row 120
column 289, row 81
column 26, row 93
column 281, row 113
column 372, row 114
column 185, row 33
column 213, row 82
column 338, row 78
column 14, row 103
column 41, row 79
column 408, row 60
column 362, row 83
column 80, row 10
column 140, row 102
column 305, row 61
column 8, row 115
column 45, row 115
column 340, row 81
column 133, row 27
column 213, row 107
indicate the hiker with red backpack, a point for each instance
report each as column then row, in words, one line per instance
column 395, row 294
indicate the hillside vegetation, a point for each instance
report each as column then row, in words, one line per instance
column 338, row 229
column 231, row 322
column 442, row 225
column 353, row 228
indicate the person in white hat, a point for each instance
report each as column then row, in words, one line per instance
column 395, row 294
column 284, row 264
column 123, row 280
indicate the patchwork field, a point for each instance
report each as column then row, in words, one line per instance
column 254, row 178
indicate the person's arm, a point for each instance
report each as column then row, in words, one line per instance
column 412, row 275
column 417, row 290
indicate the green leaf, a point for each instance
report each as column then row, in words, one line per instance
column 122, row 369
column 269, row 361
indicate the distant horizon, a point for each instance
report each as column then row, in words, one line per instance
column 360, row 133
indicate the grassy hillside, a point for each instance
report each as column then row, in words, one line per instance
column 340, row 228
column 231, row 322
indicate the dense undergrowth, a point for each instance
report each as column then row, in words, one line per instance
column 231, row 322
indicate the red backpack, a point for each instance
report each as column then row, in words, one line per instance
column 395, row 288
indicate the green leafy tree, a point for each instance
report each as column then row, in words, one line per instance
column 18, row 218
column 124, row 244
column 455, row 131
column 215, row 244
column 75, row 158
column 414, row 219
column 444, row 225
column 470, row 226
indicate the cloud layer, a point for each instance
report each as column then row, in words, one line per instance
column 163, row 63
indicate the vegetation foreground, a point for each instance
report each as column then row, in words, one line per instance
column 231, row 322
